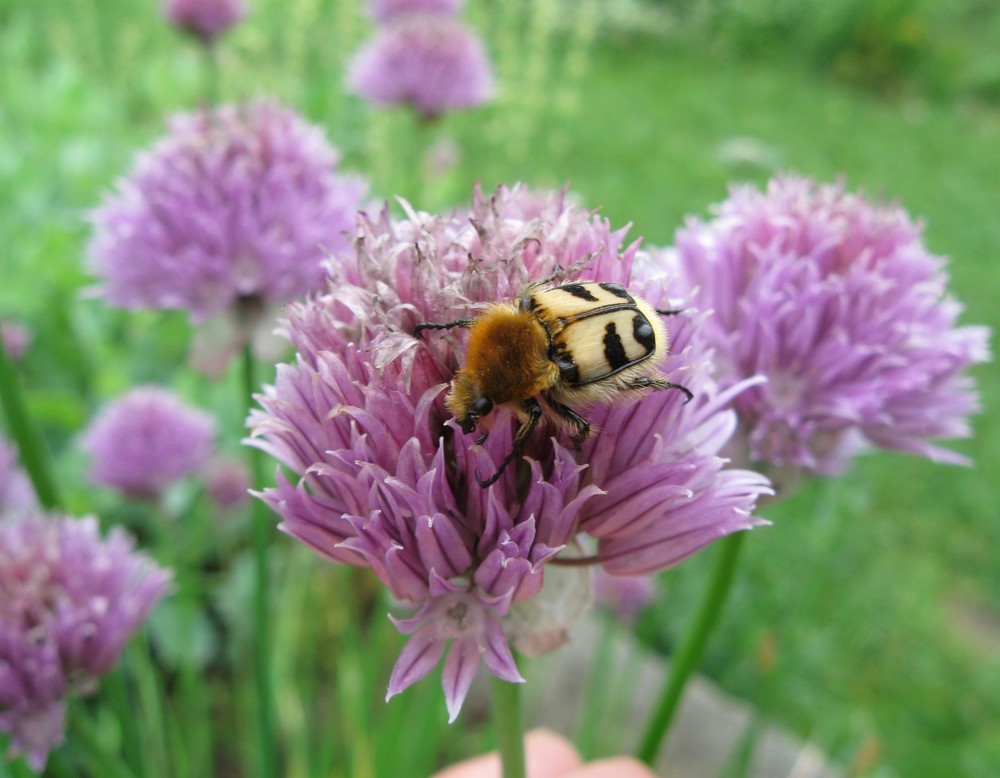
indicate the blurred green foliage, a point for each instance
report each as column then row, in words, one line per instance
column 888, row 46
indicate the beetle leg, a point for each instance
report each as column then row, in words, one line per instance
column 429, row 325
column 534, row 413
column 669, row 313
column 648, row 381
column 581, row 427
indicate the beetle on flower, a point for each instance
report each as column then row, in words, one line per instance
column 360, row 417
column 572, row 345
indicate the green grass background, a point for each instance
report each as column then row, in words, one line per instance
column 876, row 595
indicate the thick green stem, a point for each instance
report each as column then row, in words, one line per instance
column 508, row 726
column 266, row 739
column 30, row 444
column 688, row 656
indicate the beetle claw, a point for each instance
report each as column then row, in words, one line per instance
column 489, row 481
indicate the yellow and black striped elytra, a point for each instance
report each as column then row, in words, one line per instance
column 570, row 346
column 588, row 316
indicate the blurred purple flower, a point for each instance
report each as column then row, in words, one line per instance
column 16, row 338
column 839, row 304
column 385, row 10
column 16, row 491
column 205, row 19
column 625, row 595
column 147, row 439
column 231, row 213
column 69, row 601
column 428, row 61
column 385, row 478
column 227, row 482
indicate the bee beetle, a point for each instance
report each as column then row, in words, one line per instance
column 572, row 345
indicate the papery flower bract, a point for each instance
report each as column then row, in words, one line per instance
column 16, row 490
column 385, row 10
column 233, row 211
column 386, row 478
column 839, row 304
column 147, row 439
column 69, row 601
column 205, row 19
column 428, row 61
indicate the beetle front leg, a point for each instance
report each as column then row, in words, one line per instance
column 429, row 325
column 533, row 413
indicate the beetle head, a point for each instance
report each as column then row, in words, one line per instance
column 467, row 403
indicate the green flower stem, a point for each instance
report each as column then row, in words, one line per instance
column 31, row 446
column 266, row 727
column 116, row 687
column 99, row 758
column 150, row 709
column 688, row 656
column 598, row 689
column 210, row 55
column 422, row 132
column 15, row 768
column 508, row 726
column 353, row 687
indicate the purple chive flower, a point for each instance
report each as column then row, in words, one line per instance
column 227, row 482
column 69, row 601
column 386, row 477
column 386, row 10
column 16, row 338
column 839, row 304
column 16, row 491
column 147, row 439
column 204, row 19
column 428, row 61
column 231, row 213
column 625, row 595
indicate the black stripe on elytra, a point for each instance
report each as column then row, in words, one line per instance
column 614, row 351
column 642, row 331
column 617, row 290
column 579, row 291
column 568, row 369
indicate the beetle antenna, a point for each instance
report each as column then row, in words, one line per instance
column 669, row 313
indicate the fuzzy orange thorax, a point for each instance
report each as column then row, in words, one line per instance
column 506, row 357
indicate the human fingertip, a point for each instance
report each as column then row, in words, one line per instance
column 615, row 767
column 549, row 755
